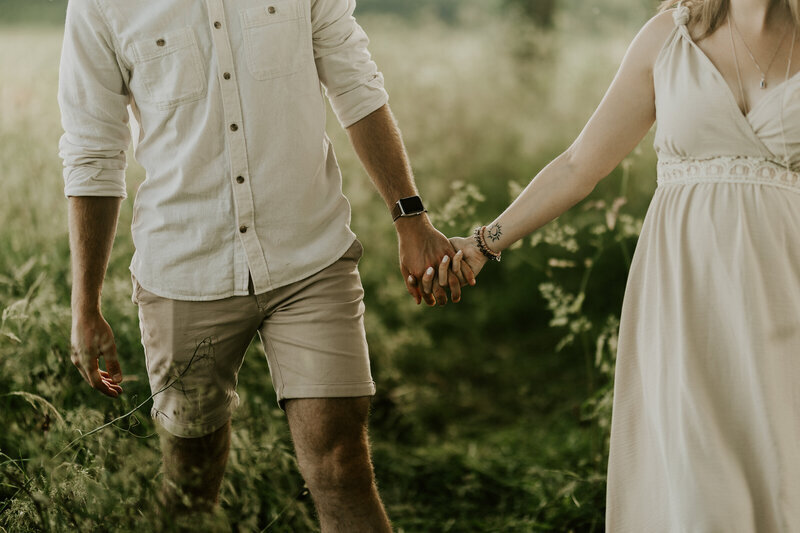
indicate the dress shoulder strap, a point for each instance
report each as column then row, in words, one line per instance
column 681, row 15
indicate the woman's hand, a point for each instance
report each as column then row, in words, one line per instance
column 469, row 254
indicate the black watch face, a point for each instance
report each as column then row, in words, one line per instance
column 412, row 205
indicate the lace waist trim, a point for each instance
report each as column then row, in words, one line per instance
column 753, row 170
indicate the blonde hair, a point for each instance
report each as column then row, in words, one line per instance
column 708, row 15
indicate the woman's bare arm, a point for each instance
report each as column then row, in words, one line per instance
column 619, row 123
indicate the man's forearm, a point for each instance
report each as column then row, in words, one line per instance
column 379, row 145
column 92, row 226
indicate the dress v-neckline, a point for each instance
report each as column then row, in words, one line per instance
column 731, row 97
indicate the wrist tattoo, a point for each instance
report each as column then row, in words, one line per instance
column 480, row 242
column 494, row 232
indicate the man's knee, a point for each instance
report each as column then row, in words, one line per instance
column 193, row 468
column 345, row 468
column 330, row 438
column 198, row 451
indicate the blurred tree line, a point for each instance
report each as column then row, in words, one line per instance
column 542, row 13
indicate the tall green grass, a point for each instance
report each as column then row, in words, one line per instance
column 491, row 415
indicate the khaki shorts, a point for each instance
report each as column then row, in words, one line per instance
column 312, row 332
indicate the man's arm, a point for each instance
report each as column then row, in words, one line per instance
column 92, row 225
column 355, row 89
column 378, row 143
column 93, row 100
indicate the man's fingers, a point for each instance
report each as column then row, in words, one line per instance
column 467, row 272
column 455, row 289
column 97, row 382
column 110, row 381
column 427, row 287
column 440, row 294
column 411, row 284
column 413, row 288
column 112, row 364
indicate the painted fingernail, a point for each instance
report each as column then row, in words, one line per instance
column 411, row 280
column 460, row 252
column 429, row 272
column 445, row 259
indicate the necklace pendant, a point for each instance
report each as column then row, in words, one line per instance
column 763, row 84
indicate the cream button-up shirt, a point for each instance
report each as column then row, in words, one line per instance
column 227, row 96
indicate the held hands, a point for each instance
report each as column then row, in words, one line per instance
column 92, row 338
column 424, row 251
column 468, row 259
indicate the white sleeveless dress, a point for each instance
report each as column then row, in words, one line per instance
column 705, row 433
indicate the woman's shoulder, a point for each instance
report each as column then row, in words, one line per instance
column 659, row 28
column 654, row 35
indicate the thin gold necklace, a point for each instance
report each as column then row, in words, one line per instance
column 763, row 73
column 738, row 70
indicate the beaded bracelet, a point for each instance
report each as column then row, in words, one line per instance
column 480, row 241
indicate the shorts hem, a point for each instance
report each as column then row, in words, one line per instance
column 342, row 390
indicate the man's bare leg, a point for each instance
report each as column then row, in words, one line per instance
column 194, row 468
column 330, row 439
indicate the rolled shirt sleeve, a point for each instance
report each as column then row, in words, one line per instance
column 93, row 98
column 350, row 76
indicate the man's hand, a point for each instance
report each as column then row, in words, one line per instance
column 423, row 252
column 92, row 338
column 92, row 223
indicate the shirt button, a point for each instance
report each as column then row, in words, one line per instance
column 239, row 179
column 234, row 127
column 217, row 24
column 271, row 10
column 227, row 75
column 242, row 229
column 161, row 42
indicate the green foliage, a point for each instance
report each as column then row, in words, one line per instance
column 541, row 12
column 491, row 415
column 32, row 11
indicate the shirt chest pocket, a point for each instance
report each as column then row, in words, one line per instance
column 169, row 69
column 277, row 39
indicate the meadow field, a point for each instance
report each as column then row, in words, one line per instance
column 492, row 415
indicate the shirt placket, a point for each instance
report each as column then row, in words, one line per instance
column 237, row 153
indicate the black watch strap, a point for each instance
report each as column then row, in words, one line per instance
column 408, row 207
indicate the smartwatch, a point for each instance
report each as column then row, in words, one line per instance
column 408, row 207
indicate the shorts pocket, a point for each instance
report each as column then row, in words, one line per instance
column 277, row 39
column 169, row 68
column 136, row 289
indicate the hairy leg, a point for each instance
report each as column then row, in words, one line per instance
column 330, row 438
column 193, row 469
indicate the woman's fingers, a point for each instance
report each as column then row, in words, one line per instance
column 443, row 271
column 456, row 267
column 448, row 280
